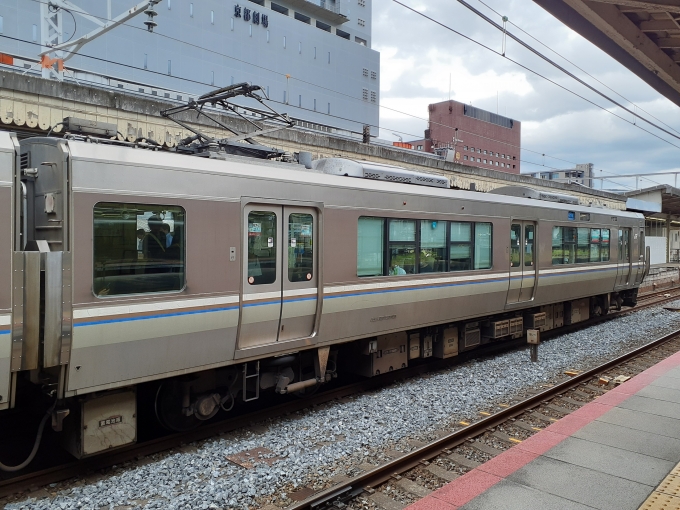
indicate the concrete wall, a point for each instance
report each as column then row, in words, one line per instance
column 657, row 250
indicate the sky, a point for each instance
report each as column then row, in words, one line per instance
column 419, row 58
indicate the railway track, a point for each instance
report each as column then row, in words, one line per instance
column 32, row 480
column 445, row 458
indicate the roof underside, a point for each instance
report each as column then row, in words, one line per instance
column 644, row 35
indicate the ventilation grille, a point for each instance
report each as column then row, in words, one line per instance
column 25, row 160
column 472, row 337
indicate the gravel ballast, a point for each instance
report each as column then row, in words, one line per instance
column 335, row 439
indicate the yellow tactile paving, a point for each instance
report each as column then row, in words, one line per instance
column 667, row 494
column 660, row 501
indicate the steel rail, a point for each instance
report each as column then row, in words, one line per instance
column 381, row 474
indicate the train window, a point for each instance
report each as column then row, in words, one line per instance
column 595, row 244
column 483, row 245
column 583, row 245
column 528, row 245
column 370, row 247
column 604, row 249
column 261, row 247
column 515, row 240
column 300, row 247
column 402, row 247
column 460, row 250
column 432, row 247
column 138, row 249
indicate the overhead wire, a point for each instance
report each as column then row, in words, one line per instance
column 524, row 161
column 576, row 66
column 335, row 91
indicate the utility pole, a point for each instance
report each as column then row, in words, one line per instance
column 55, row 52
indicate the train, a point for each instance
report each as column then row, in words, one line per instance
column 219, row 277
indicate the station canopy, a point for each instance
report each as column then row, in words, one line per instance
column 659, row 201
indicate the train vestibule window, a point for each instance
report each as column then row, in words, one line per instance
column 262, row 241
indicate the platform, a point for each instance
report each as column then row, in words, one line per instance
column 618, row 452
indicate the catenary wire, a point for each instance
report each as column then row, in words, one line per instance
column 307, row 109
column 382, row 106
column 577, row 66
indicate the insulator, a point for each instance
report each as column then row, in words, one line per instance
column 150, row 25
column 150, row 12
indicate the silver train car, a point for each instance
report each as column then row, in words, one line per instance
column 222, row 277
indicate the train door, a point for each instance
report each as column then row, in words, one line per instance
column 262, row 274
column 300, row 288
column 640, row 273
column 624, row 260
column 280, row 273
column 523, row 263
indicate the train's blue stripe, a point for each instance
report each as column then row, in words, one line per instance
column 354, row 294
column 5, row 331
column 159, row 316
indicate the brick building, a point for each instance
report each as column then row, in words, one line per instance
column 482, row 138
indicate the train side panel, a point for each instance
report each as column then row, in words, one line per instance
column 7, row 162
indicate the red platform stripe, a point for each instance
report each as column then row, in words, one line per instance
column 467, row 487
column 508, row 462
column 430, row 503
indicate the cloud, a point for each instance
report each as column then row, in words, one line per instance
column 417, row 57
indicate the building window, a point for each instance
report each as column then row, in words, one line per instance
column 484, row 161
column 191, row 9
column 303, row 18
column 250, row 30
column 484, row 152
column 465, row 147
column 232, row 27
column 472, row 149
column 35, row 33
column 479, row 160
column 513, row 166
column 212, row 17
column 285, row 98
column 169, row 67
column 212, row 77
column 341, row 33
column 315, row 105
column 465, row 157
column 279, row 8
column 420, row 147
column 299, row 48
column 329, row 57
column 361, row 41
column 364, row 72
column 146, row 61
column 314, row 52
column 323, row 26
column 502, row 165
column 514, row 157
column 300, row 101
column 361, row 22
column 267, row 34
column 169, row 4
column 138, row 249
column 284, row 41
column 329, row 108
column 2, row 25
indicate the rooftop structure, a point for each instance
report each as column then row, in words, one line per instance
column 312, row 57
column 582, row 174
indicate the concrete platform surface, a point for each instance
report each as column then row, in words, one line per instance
column 618, row 452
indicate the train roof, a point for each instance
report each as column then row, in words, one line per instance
column 292, row 172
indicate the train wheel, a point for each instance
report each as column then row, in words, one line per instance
column 169, row 408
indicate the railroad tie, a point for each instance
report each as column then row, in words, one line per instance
column 413, row 487
column 543, row 417
column 572, row 402
column 463, row 461
column 526, row 426
column 558, row 409
column 442, row 473
column 384, row 501
column 483, row 447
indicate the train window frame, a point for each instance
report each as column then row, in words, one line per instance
column 587, row 247
column 144, row 206
column 380, row 265
column 387, row 244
